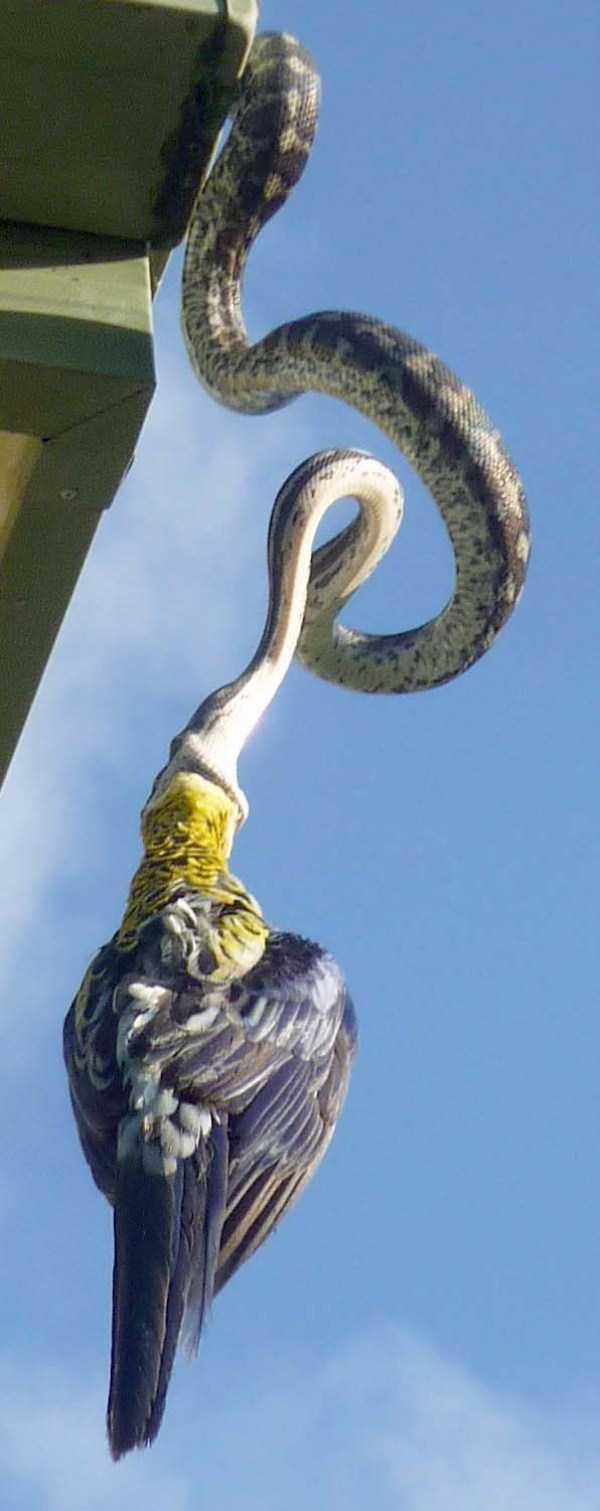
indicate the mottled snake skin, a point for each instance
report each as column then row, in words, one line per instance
column 433, row 418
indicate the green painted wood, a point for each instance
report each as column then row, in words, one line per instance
column 76, row 380
column 75, row 327
column 111, row 109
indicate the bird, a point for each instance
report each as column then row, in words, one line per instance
column 208, row 1053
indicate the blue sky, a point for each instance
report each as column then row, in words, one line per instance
column 423, row 1329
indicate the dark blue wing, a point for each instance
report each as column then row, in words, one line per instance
column 299, row 1006
column 267, row 1055
column 98, row 1097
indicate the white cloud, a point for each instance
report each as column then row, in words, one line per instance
column 52, row 1454
column 388, row 1423
column 437, row 1439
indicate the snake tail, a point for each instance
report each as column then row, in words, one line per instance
column 165, row 1256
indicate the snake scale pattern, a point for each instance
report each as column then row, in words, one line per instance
column 435, row 421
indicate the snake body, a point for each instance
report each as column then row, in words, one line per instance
column 435, row 420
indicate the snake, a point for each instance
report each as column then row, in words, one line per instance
column 405, row 389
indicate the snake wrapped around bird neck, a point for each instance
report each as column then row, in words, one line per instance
column 436, row 422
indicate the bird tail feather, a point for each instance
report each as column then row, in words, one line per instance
column 167, row 1230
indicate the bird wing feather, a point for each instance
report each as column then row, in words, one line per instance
column 262, row 1065
column 276, row 1143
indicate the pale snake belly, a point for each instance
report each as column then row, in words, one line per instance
column 436, row 422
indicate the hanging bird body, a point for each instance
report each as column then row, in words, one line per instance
column 208, row 1059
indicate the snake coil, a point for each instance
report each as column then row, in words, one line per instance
column 436, row 422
